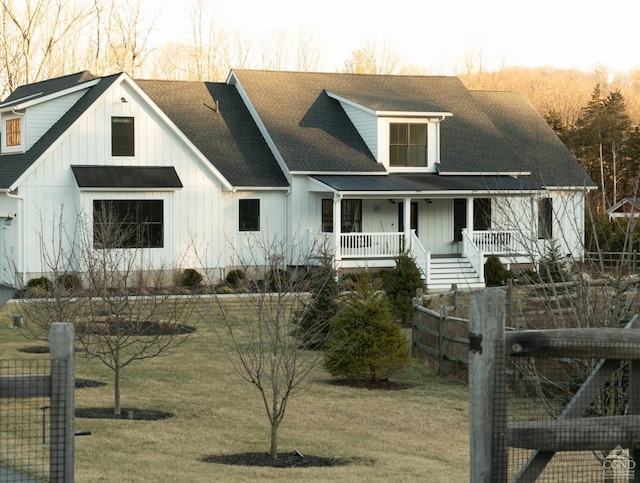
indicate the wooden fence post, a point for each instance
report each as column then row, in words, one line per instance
column 487, row 387
column 62, row 414
column 443, row 330
column 415, row 323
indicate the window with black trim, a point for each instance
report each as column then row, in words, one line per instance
column 122, row 136
column 545, row 219
column 351, row 213
column 327, row 216
column 459, row 218
column 407, row 145
column 13, row 132
column 128, row 224
column 482, row 214
column 351, row 216
column 249, row 215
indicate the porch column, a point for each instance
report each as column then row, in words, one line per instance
column 406, row 216
column 337, row 229
column 470, row 217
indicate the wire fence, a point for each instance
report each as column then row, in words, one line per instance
column 37, row 412
column 24, row 423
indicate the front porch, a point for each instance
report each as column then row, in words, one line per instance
column 465, row 267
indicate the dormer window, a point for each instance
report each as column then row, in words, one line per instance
column 407, row 145
column 122, row 136
column 13, row 132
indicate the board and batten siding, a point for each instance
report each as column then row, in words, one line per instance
column 193, row 215
column 248, row 248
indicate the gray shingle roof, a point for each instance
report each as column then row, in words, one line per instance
column 13, row 165
column 46, row 87
column 537, row 147
column 488, row 132
column 228, row 138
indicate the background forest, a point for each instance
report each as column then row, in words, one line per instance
column 595, row 113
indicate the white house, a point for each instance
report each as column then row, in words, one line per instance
column 372, row 165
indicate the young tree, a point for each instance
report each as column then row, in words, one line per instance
column 266, row 346
column 122, row 303
column 365, row 343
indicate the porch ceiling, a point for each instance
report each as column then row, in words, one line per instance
column 425, row 183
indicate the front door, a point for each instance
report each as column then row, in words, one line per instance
column 414, row 216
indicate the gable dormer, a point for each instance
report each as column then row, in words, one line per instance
column 401, row 140
column 32, row 110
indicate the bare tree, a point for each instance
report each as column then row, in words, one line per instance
column 123, row 304
column 266, row 341
column 374, row 58
column 34, row 37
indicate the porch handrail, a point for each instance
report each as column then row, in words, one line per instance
column 421, row 255
column 473, row 253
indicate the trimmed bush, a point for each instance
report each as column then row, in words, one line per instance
column 236, row 277
column 494, row 272
column 190, row 278
column 365, row 343
column 39, row 283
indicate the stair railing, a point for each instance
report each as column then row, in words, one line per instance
column 473, row 254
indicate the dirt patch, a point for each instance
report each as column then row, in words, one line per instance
column 294, row 459
column 81, row 383
column 135, row 414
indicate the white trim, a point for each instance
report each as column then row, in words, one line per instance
column 340, row 173
column 483, row 173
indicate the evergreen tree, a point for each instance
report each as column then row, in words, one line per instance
column 365, row 343
column 322, row 307
column 598, row 142
column 400, row 284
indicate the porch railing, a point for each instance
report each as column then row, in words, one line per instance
column 473, row 252
column 371, row 245
column 498, row 242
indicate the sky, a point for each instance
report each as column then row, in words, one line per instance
column 439, row 35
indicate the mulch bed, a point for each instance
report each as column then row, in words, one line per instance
column 294, row 459
column 135, row 414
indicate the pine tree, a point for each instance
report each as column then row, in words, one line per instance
column 365, row 343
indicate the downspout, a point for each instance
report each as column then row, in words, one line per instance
column 21, row 235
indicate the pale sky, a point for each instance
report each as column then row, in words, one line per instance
column 437, row 35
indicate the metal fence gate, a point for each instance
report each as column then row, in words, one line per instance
column 37, row 414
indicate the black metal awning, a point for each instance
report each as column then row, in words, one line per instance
column 425, row 183
column 127, row 177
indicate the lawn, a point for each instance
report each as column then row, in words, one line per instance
column 419, row 433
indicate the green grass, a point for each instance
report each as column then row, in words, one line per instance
column 415, row 434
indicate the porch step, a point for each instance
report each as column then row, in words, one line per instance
column 447, row 271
